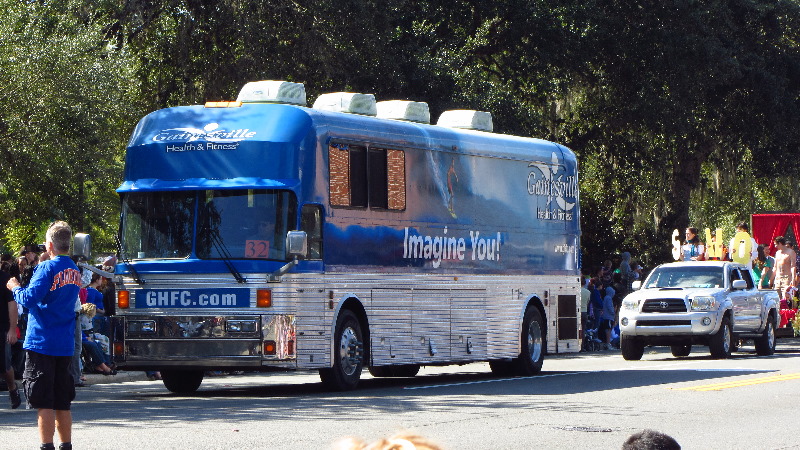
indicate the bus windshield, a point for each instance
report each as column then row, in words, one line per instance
column 685, row 277
column 236, row 224
column 245, row 224
column 157, row 224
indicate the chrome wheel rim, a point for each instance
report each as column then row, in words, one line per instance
column 349, row 353
column 534, row 341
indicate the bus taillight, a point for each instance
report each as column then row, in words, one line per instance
column 270, row 348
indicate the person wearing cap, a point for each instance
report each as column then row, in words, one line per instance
column 50, row 339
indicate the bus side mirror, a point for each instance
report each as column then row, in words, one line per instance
column 297, row 244
column 82, row 245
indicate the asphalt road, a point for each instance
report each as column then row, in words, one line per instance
column 590, row 400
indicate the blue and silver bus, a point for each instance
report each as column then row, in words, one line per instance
column 261, row 234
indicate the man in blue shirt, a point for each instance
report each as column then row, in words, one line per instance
column 50, row 298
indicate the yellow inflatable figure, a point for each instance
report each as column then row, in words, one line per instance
column 742, row 248
column 676, row 245
column 714, row 246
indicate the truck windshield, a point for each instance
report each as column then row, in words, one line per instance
column 685, row 277
column 245, row 224
column 157, row 224
column 237, row 224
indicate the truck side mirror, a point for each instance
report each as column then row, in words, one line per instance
column 297, row 244
column 739, row 285
column 636, row 285
column 82, row 245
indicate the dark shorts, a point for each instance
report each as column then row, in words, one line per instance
column 5, row 353
column 48, row 381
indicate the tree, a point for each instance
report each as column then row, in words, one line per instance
column 63, row 101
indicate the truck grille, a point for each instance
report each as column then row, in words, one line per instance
column 662, row 323
column 664, row 305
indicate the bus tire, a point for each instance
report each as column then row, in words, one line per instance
column 721, row 342
column 529, row 362
column 182, row 381
column 348, row 354
column 765, row 344
column 632, row 348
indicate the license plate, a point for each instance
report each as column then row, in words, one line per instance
column 193, row 298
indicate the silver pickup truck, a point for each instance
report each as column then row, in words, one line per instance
column 713, row 303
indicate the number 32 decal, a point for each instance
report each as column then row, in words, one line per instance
column 256, row 249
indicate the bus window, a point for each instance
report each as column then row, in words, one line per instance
column 363, row 178
column 378, row 184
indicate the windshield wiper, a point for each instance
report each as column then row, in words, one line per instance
column 127, row 262
column 218, row 243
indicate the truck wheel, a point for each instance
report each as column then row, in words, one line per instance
column 182, row 381
column 348, row 354
column 531, row 358
column 681, row 350
column 632, row 348
column 765, row 344
column 721, row 342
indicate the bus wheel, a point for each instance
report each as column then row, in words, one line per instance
column 182, row 381
column 348, row 354
column 531, row 358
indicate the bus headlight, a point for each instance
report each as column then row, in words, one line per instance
column 701, row 303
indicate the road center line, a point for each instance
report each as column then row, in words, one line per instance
column 741, row 383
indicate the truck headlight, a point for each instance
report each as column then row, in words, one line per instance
column 701, row 303
column 632, row 305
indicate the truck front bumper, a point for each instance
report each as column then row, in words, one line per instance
column 698, row 323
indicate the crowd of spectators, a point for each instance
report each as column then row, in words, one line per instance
column 93, row 306
column 601, row 296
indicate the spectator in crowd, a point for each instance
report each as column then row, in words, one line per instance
column 585, row 297
column 785, row 269
column 400, row 441
column 626, row 273
column 50, row 298
column 650, row 440
column 606, row 274
column 8, row 329
column 98, row 355
column 595, row 303
column 762, row 269
column 693, row 249
column 607, row 317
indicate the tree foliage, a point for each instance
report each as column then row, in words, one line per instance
column 681, row 112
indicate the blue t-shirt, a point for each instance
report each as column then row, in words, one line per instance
column 50, row 298
column 94, row 297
